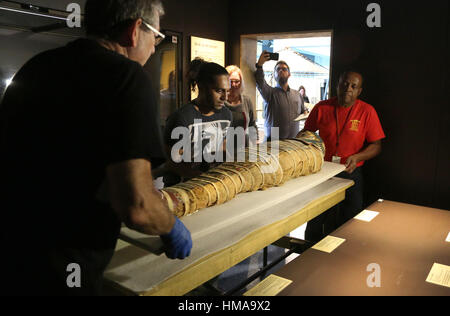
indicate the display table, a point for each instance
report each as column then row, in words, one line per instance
column 395, row 251
column 223, row 235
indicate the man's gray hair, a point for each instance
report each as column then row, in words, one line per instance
column 107, row 19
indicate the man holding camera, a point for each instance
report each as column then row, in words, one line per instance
column 282, row 105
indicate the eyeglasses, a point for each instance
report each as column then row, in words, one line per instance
column 159, row 37
column 282, row 69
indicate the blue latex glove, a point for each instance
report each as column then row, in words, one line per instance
column 178, row 242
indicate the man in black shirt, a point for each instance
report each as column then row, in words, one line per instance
column 79, row 134
column 195, row 135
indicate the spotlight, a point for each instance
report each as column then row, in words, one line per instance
column 8, row 82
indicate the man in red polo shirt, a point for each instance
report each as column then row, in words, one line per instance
column 352, row 133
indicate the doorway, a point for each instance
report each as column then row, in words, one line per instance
column 308, row 55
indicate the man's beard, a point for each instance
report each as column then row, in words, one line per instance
column 282, row 81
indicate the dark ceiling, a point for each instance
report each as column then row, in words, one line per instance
column 36, row 23
column 54, row 4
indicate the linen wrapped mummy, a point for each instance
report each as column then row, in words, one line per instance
column 266, row 166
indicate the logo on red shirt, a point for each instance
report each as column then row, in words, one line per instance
column 355, row 125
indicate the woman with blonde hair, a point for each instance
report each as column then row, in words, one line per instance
column 241, row 106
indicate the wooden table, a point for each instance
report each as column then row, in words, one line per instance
column 135, row 270
column 400, row 246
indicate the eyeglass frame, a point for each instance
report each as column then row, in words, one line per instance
column 159, row 37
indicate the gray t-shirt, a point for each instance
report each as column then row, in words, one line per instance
column 281, row 108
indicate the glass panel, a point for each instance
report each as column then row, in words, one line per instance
column 164, row 70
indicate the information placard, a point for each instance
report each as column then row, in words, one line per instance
column 209, row 50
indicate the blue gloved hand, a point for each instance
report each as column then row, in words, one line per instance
column 178, row 242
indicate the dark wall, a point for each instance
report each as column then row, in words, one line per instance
column 405, row 64
column 442, row 191
column 201, row 18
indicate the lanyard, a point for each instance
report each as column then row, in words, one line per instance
column 338, row 134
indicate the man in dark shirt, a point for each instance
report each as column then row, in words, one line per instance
column 195, row 135
column 282, row 105
column 79, row 134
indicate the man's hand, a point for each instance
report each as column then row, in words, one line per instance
column 265, row 56
column 370, row 152
column 178, row 242
column 351, row 164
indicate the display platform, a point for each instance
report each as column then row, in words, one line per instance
column 223, row 235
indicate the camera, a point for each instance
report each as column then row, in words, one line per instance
column 274, row 56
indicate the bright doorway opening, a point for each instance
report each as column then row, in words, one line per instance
column 308, row 55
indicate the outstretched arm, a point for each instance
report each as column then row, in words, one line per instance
column 263, row 87
column 142, row 208
column 134, row 198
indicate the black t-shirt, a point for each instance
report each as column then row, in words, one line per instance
column 206, row 135
column 69, row 113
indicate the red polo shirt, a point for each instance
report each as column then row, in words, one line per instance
column 357, row 126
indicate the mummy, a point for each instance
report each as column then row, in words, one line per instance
column 280, row 162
